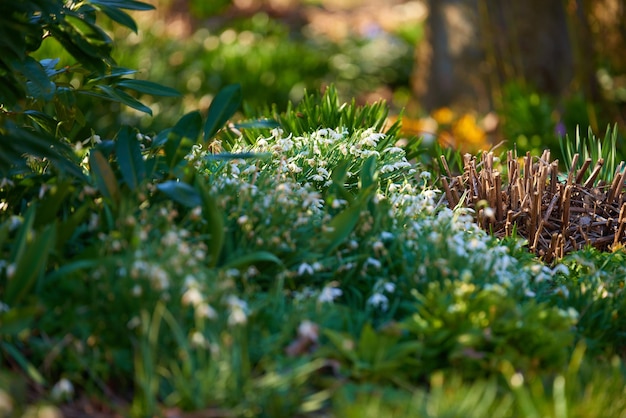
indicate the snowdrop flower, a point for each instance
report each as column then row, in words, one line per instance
column 204, row 310
column 192, row 297
column 305, row 269
column 373, row 262
column 394, row 150
column 386, row 236
column 378, row 300
column 378, row 246
column 329, row 294
column 63, row 390
column 560, row 268
column 238, row 310
column 370, row 138
column 309, row 330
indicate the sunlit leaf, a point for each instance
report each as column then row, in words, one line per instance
column 123, row 97
column 222, row 108
column 124, row 4
column 148, row 87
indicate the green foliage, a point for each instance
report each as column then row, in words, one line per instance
column 528, row 122
column 39, row 110
column 296, row 263
column 594, row 149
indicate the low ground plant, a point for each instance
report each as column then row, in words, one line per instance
column 298, row 263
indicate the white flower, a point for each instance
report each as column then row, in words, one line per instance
column 329, row 294
column 389, row 287
column 133, row 323
column 63, row 390
column 192, row 297
column 238, row 310
column 370, row 138
column 137, row 290
column 373, row 262
column 305, row 269
column 198, row 340
column 204, row 310
column 385, row 236
column 378, row 300
column 560, row 268
column 337, row 203
column 309, row 330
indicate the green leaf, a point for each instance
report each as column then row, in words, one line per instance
column 25, row 230
column 223, row 106
column 39, row 84
column 124, row 4
column 181, row 193
column 368, row 173
column 148, row 87
column 30, row 266
column 49, row 206
column 215, row 222
column 253, row 259
column 235, row 156
column 342, row 225
column 119, row 16
column 28, row 367
column 15, row 320
column 182, row 137
column 103, row 175
column 260, row 123
column 129, row 158
column 124, row 98
column 345, row 221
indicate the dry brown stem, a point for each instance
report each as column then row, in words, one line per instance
column 556, row 217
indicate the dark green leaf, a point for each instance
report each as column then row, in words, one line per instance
column 368, row 173
column 39, row 84
column 125, row 4
column 123, row 97
column 30, row 266
column 234, row 156
column 148, row 87
column 129, row 158
column 28, row 367
column 119, row 16
column 181, row 193
column 255, row 258
column 261, row 123
column 182, row 137
column 215, row 221
column 103, row 175
column 49, row 206
column 223, row 106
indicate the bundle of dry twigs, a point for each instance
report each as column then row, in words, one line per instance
column 555, row 216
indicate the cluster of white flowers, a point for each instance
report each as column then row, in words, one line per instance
column 379, row 298
column 194, row 297
column 450, row 241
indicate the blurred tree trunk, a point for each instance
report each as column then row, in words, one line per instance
column 473, row 46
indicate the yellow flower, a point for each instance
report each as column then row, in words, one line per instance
column 467, row 133
column 443, row 115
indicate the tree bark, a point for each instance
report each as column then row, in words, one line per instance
column 473, row 46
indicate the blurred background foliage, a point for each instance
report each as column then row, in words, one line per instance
column 497, row 89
